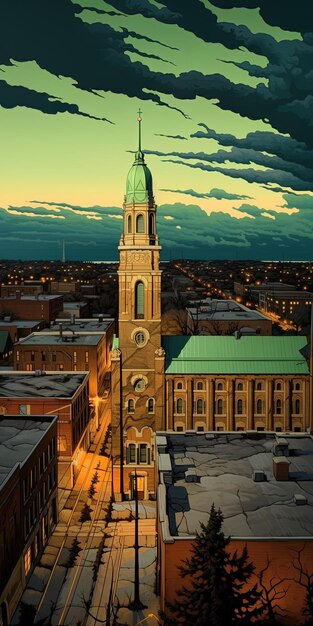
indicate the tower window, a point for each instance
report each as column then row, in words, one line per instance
column 151, row 405
column 220, row 386
column 297, row 406
column 259, row 406
column 220, row 406
column 200, row 406
column 239, row 407
column 259, row 386
column 179, row 386
column 278, row 407
column 129, row 224
column 151, row 224
column 131, row 406
column 199, row 385
column 140, row 224
column 239, row 387
column 139, row 301
column 179, row 406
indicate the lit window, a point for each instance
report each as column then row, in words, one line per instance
column 27, row 560
column 143, row 457
column 131, row 406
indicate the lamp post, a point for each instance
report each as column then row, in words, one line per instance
column 136, row 604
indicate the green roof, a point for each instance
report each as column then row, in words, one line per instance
column 228, row 355
column 139, row 181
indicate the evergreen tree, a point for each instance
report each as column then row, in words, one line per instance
column 218, row 591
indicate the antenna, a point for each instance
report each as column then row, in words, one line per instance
column 63, row 251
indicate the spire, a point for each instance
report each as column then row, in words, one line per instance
column 139, row 158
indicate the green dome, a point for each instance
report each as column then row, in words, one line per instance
column 139, row 181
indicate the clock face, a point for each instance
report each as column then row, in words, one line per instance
column 140, row 338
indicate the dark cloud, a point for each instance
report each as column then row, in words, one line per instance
column 216, row 236
column 217, row 194
column 170, row 136
column 293, row 16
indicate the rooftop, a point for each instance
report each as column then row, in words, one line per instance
column 20, row 323
column 43, row 385
column 90, row 325
column 224, row 310
column 45, row 338
column 18, row 438
column 211, row 354
column 200, row 469
column 38, row 296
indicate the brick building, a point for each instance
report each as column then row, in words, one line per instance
column 67, row 350
column 265, row 509
column 41, row 306
column 28, row 501
column 224, row 317
column 20, row 328
column 64, row 394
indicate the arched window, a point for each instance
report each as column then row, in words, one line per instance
column 259, row 406
column 151, row 405
column 220, row 406
column 179, row 406
column 278, row 406
column 179, row 386
column 297, row 386
column 140, row 224
column 220, row 386
column 139, row 301
column 239, row 407
column 129, row 224
column 239, row 387
column 200, row 406
column 297, row 406
column 199, row 385
column 131, row 406
column 259, row 386
column 151, row 224
column 278, row 386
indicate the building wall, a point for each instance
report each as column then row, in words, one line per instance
column 237, row 403
column 73, row 427
column 28, row 514
column 40, row 309
column 23, row 290
column 281, row 556
column 17, row 332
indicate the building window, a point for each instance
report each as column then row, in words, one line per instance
column 278, row 386
column 143, row 456
column 61, row 367
column 27, row 560
column 220, row 406
column 260, row 428
column 179, row 429
column 140, row 224
column 32, row 355
column 179, row 386
column 278, row 407
column 200, row 406
column 75, row 356
column 220, row 387
column 43, row 355
column 297, row 406
column 17, row 355
column 179, row 406
column 86, row 357
column 200, row 385
column 54, row 356
column 29, row 367
column 297, row 429
column 131, row 406
column 278, row 429
column 259, row 386
column 219, row 428
column 139, row 301
column 239, row 387
column 131, row 453
column 24, row 409
column 151, row 405
column 259, row 406
column 129, row 224
column 297, row 386
column 239, row 407
column 200, row 429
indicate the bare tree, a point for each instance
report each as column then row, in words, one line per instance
column 272, row 593
column 305, row 580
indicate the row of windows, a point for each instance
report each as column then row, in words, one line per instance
column 140, row 224
column 239, row 387
column 220, row 404
column 44, row 355
column 179, row 428
column 30, row 516
column 131, row 405
column 139, row 454
column 32, row 477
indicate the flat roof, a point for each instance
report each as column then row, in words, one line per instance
column 44, row 385
column 218, row 468
column 91, row 325
column 55, row 339
column 18, row 438
column 211, row 354
column 225, row 310
column 20, row 323
column 38, row 296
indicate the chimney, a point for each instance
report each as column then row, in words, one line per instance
column 101, row 317
column 61, row 330
column 73, row 318
column 237, row 334
column 280, row 468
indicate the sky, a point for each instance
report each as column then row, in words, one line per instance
column 225, row 89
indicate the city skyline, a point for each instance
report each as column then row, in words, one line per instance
column 224, row 87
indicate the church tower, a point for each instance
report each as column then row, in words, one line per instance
column 137, row 356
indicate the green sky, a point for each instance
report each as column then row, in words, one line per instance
column 182, row 72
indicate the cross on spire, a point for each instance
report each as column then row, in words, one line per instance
column 139, row 118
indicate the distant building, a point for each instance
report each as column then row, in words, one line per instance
column 285, row 304
column 49, row 393
column 263, row 484
column 63, row 287
column 7, row 291
column 224, row 317
column 40, row 306
column 28, row 501
column 6, row 346
column 20, row 328
column 79, row 309
column 70, row 350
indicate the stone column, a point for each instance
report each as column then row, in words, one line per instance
column 250, row 404
column 288, row 404
column 189, row 404
column 269, row 400
column 211, row 405
column 230, row 403
column 169, row 410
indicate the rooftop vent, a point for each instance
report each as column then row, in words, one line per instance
column 191, row 475
column 281, row 447
column 237, row 334
column 300, row 499
column 259, row 476
column 280, row 468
